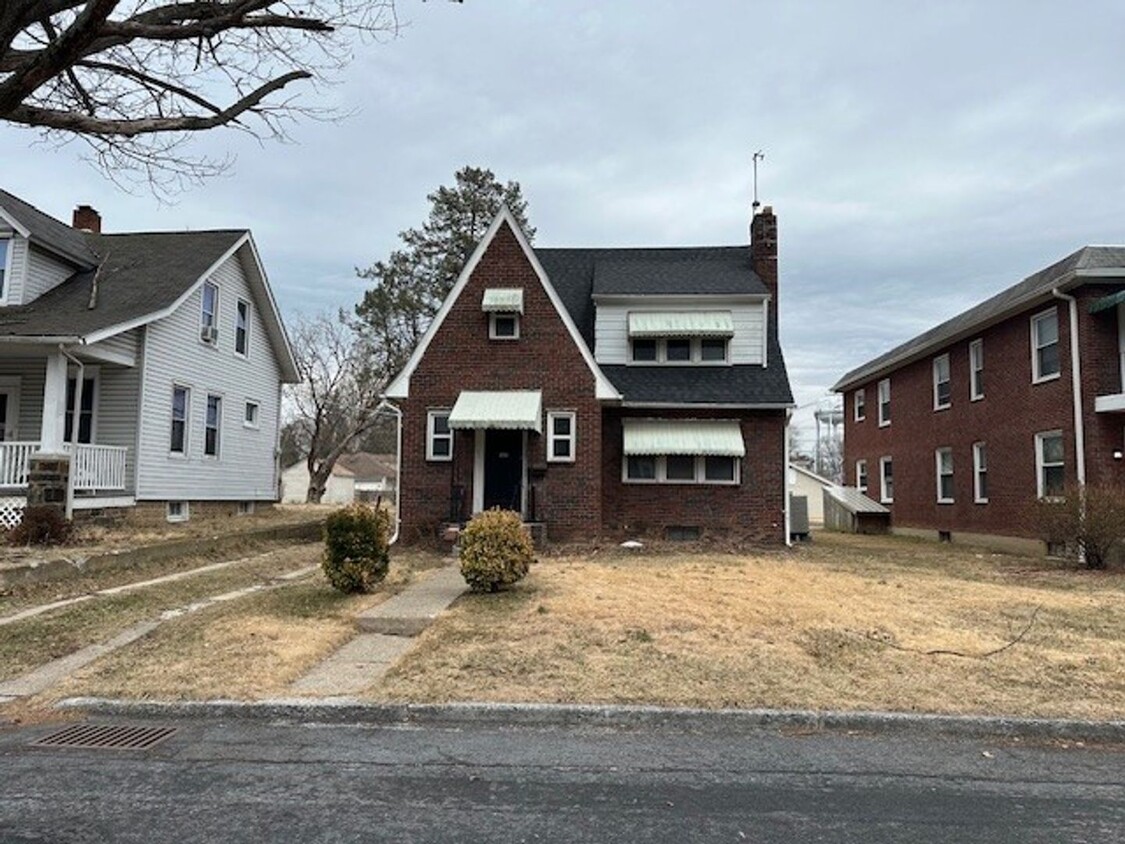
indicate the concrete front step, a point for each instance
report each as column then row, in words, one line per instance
column 415, row 608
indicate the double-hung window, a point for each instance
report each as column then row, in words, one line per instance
column 209, row 314
column 1045, row 345
column 684, row 350
column 439, row 436
column 859, row 400
column 560, row 436
column 884, row 389
column 942, row 390
column 943, row 460
column 886, row 481
column 212, row 426
column 681, row 469
column 242, row 327
column 861, row 476
column 181, row 404
column 980, row 473
column 1050, row 464
column 976, row 370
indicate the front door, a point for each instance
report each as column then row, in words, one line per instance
column 503, row 469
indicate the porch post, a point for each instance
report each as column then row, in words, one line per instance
column 53, row 434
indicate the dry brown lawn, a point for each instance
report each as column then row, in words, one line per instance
column 841, row 624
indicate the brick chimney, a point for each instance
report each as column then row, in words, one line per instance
column 87, row 219
column 763, row 249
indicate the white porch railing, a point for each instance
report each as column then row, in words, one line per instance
column 93, row 467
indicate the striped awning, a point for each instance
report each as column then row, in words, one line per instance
column 520, row 410
column 681, row 324
column 1107, row 302
column 712, row 437
column 507, row 300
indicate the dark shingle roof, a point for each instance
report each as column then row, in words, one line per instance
column 49, row 232
column 1007, row 302
column 141, row 274
column 579, row 274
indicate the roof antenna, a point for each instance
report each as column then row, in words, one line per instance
column 756, row 157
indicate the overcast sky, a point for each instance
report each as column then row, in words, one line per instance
column 920, row 156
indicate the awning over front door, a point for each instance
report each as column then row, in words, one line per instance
column 502, row 409
column 681, row 324
column 711, row 437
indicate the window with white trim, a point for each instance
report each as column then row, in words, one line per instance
column 177, row 511
column 242, row 327
column 503, row 326
column 980, row 473
column 439, row 436
column 1050, row 464
column 859, row 402
column 1045, row 345
column 209, row 313
column 679, row 350
column 976, row 370
column 212, row 425
column 861, row 476
column 5, row 265
column 681, row 469
column 250, row 415
column 942, row 390
column 86, row 415
column 181, row 407
column 561, row 436
column 943, row 463
column 886, row 481
column 884, row 389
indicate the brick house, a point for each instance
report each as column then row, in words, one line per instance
column 958, row 429
column 601, row 392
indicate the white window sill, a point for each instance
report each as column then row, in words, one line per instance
column 1046, row 378
column 938, row 407
column 946, row 501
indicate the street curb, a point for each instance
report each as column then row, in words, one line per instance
column 352, row 711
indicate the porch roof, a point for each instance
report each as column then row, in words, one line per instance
column 1107, row 302
column 711, row 437
column 502, row 409
column 681, row 324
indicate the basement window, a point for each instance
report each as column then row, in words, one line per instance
column 178, row 511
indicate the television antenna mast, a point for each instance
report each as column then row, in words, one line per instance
column 756, row 157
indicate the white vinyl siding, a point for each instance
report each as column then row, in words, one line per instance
column 611, row 329
column 32, row 373
column 174, row 355
column 44, row 272
column 5, row 267
column 116, row 422
column 125, row 345
column 15, row 279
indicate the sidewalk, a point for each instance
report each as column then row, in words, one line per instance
column 388, row 631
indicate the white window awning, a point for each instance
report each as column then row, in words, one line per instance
column 681, row 324
column 506, row 300
column 520, row 410
column 711, row 437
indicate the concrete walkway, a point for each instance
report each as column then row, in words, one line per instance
column 388, row 631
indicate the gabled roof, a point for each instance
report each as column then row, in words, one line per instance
column 46, row 231
column 1088, row 262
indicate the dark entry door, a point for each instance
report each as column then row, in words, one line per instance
column 503, row 469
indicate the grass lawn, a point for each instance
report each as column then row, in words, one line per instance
column 842, row 623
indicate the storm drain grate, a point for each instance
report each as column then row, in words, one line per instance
column 107, row 736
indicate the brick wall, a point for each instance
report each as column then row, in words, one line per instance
column 1012, row 411
column 753, row 511
column 1101, row 376
column 462, row 357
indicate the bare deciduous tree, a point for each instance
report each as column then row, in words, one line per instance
column 337, row 400
column 135, row 78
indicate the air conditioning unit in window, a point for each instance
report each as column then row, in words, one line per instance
column 208, row 334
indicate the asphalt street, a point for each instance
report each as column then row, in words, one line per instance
column 246, row 780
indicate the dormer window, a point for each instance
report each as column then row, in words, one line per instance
column 682, row 337
column 504, row 305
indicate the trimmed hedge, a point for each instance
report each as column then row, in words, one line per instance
column 356, row 554
column 496, row 551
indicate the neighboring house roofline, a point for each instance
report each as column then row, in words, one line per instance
column 1063, row 275
column 820, row 479
column 399, row 388
column 615, row 298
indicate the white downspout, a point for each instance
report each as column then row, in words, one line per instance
column 1076, row 387
column 397, row 411
column 785, row 479
column 75, row 424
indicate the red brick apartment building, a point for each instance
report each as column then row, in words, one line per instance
column 601, row 392
column 959, row 429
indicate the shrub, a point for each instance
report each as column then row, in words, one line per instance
column 1092, row 529
column 41, row 525
column 356, row 555
column 495, row 550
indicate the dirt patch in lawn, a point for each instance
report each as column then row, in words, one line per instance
column 845, row 623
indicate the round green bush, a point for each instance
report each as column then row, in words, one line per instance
column 356, row 554
column 496, row 551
